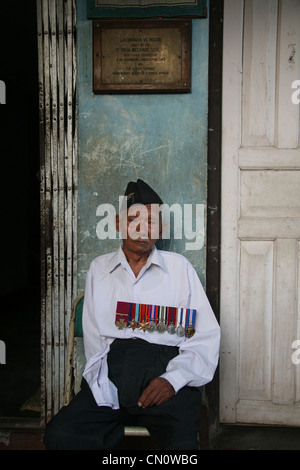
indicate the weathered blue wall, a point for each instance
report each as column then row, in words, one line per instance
column 160, row 138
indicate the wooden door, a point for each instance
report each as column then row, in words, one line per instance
column 260, row 265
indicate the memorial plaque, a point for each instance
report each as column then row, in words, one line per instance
column 142, row 56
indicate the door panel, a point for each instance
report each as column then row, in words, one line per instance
column 260, row 286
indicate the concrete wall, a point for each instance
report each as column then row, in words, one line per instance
column 160, row 138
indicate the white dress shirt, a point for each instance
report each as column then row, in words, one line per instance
column 167, row 279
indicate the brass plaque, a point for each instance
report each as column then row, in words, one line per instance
column 147, row 56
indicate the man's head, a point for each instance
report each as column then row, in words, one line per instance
column 140, row 220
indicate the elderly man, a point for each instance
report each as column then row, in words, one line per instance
column 151, row 341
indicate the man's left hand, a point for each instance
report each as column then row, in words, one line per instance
column 158, row 391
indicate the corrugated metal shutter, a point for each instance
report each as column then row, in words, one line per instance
column 58, row 137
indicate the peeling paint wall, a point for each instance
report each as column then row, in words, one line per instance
column 160, row 138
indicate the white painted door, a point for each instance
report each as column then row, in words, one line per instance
column 260, row 267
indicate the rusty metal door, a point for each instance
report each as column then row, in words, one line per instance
column 58, row 189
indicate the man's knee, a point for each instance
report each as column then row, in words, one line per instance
column 66, row 432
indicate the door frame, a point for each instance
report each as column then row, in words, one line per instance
column 214, row 159
column 49, row 264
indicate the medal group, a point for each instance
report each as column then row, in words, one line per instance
column 155, row 318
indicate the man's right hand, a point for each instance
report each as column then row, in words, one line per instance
column 158, row 391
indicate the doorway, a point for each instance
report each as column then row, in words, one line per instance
column 20, row 221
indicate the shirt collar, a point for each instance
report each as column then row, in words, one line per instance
column 119, row 257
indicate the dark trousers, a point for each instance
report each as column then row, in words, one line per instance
column 132, row 364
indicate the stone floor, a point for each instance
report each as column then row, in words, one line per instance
column 230, row 438
column 257, row 438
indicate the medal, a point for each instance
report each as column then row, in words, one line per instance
column 152, row 323
column 143, row 324
column 153, row 318
column 161, row 327
column 180, row 331
column 133, row 324
column 190, row 331
column 190, row 321
column 171, row 329
column 132, row 321
column 171, row 314
column 121, row 315
column 121, row 323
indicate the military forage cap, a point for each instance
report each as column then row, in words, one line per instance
column 141, row 193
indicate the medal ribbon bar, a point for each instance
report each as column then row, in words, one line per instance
column 152, row 318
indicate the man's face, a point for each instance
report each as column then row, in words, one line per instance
column 140, row 226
